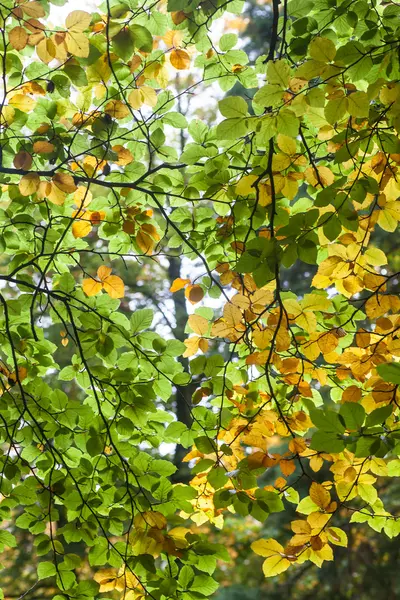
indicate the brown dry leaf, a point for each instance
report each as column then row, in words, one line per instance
column 180, row 59
column 194, row 293
column 18, row 38
column 22, row 160
column 178, row 17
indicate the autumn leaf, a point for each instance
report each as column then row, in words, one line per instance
column 64, row 182
column 194, row 293
column 29, row 184
column 18, row 38
column 23, row 160
column 320, row 495
column 180, row 59
column 179, row 284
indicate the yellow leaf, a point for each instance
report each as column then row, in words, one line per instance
column 144, row 241
column 81, row 229
column 180, row 59
column 114, row 286
column 43, row 147
column 33, row 9
column 232, row 314
column 46, row 50
column 387, row 221
column 106, row 578
column 149, row 95
column 245, row 186
column 274, row 565
column 135, row 99
column 198, row 324
column 29, row 184
column 375, row 257
column 267, row 548
column 337, row 536
column 82, row 196
column 178, row 284
column 320, row 495
column 322, row 49
column 192, row 346
column 286, row 144
column 78, row 20
column 91, row 287
column 117, row 109
column 315, row 302
column 150, row 519
column 124, row 155
column 55, row 195
column 77, row 44
column 23, row 103
column 327, row 342
column 64, row 182
column 18, row 38
column 7, row 115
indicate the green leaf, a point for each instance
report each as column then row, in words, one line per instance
column 233, row 107
column 46, row 569
column 389, row 372
column 142, row 38
column 141, row 319
column 353, row 415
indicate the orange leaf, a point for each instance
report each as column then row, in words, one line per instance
column 352, row 394
column 114, row 286
column 144, row 241
column 103, row 272
column 180, row 59
column 178, row 284
column 91, row 287
column 43, row 147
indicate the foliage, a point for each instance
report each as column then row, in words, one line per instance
column 295, row 402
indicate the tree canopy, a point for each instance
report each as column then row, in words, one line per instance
column 147, row 255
